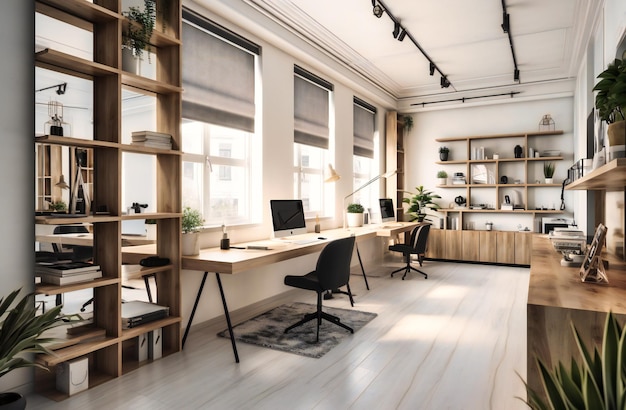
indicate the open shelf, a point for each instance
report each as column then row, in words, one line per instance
column 609, row 177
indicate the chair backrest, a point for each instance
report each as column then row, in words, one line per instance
column 333, row 264
column 419, row 238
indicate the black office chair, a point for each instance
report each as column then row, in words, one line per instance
column 331, row 272
column 415, row 246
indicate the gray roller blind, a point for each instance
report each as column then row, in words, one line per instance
column 363, row 118
column 311, row 110
column 218, row 78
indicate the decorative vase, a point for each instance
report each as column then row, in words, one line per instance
column 190, row 245
column 130, row 63
column 12, row 401
column 354, row 219
column 617, row 140
column 443, row 156
column 517, row 151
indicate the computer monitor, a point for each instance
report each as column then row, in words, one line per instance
column 287, row 217
column 387, row 213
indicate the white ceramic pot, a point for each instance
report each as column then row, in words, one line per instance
column 354, row 220
column 549, row 181
column 130, row 63
column 443, row 181
column 189, row 244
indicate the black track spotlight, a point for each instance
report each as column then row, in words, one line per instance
column 444, row 82
column 516, row 75
column 396, row 29
column 61, row 88
column 432, row 68
column 402, row 35
column 505, row 22
column 377, row 10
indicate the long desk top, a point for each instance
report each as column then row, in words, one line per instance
column 233, row 260
column 553, row 285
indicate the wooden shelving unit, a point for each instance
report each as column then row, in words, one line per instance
column 395, row 160
column 609, row 177
column 105, row 21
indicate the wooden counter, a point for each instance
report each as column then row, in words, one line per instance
column 557, row 299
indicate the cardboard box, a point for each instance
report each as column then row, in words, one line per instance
column 142, row 347
column 155, row 346
column 73, row 376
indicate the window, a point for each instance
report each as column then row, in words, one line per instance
column 312, row 116
column 365, row 153
column 220, row 145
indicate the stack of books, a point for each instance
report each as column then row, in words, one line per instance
column 152, row 139
column 65, row 273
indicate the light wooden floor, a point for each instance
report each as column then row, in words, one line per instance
column 454, row 341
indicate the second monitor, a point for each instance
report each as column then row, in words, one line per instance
column 387, row 212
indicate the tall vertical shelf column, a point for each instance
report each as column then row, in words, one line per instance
column 104, row 19
column 395, row 161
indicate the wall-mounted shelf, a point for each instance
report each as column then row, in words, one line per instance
column 608, row 177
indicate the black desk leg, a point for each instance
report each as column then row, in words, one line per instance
column 195, row 306
column 230, row 325
column 367, row 286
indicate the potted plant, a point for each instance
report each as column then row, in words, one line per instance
column 151, row 228
column 596, row 383
column 420, row 202
column 137, row 38
column 191, row 222
column 408, row 123
column 58, row 206
column 443, row 153
column 548, row 171
column 21, row 332
column 611, row 102
column 443, row 177
column 355, row 215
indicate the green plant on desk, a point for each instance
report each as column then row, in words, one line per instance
column 192, row 220
column 355, row 209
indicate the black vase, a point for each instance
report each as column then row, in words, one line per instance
column 443, row 156
column 518, row 151
column 12, row 401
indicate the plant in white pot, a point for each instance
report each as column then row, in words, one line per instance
column 355, row 215
column 21, row 332
column 548, row 171
column 191, row 223
column 443, row 177
column 611, row 104
column 136, row 39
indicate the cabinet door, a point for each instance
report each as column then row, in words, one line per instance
column 505, row 249
column 471, row 245
column 523, row 245
column 436, row 244
column 487, row 252
column 454, row 245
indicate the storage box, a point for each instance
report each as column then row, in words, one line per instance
column 73, row 376
column 155, row 347
column 142, row 347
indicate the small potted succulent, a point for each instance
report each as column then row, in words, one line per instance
column 548, row 171
column 443, row 153
column 355, row 215
column 443, row 177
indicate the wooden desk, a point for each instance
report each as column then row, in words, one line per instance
column 233, row 261
column 557, row 298
column 86, row 239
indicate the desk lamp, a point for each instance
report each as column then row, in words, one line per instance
column 376, row 178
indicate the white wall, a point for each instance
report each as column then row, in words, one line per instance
column 17, row 159
column 503, row 117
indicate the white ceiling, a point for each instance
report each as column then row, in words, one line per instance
column 463, row 38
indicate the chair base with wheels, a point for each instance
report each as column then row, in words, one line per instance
column 332, row 272
column 415, row 246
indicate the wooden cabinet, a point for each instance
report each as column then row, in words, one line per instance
column 107, row 354
column 395, row 161
column 454, row 245
column 488, row 243
column 505, row 247
column 523, row 247
column 471, row 245
column 436, row 244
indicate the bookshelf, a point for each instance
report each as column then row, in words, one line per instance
column 104, row 19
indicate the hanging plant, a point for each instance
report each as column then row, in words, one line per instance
column 408, row 122
column 140, row 28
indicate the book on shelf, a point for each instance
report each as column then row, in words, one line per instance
column 153, row 144
column 151, row 134
column 135, row 313
column 60, row 280
column 66, row 268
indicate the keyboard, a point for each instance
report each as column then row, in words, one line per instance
column 392, row 226
column 305, row 241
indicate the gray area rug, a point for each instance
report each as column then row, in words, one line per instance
column 268, row 329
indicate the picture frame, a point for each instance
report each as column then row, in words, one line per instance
column 592, row 270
